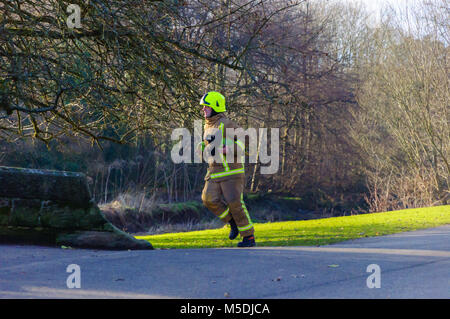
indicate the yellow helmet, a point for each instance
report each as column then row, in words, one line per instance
column 214, row 100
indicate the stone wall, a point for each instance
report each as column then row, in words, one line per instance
column 55, row 208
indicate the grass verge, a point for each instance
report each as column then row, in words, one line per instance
column 312, row 232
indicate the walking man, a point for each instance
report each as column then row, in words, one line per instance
column 224, row 181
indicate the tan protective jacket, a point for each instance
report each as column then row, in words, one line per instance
column 223, row 170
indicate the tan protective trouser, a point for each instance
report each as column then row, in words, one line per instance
column 225, row 200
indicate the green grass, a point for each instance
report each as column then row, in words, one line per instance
column 312, row 232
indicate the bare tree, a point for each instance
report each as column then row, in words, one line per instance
column 404, row 126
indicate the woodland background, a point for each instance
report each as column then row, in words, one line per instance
column 362, row 105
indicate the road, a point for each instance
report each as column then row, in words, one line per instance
column 407, row 265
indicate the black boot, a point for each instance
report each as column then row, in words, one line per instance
column 234, row 232
column 248, row 241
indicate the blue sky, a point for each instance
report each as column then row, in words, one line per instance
column 375, row 6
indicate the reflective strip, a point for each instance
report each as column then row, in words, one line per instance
column 203, row 100
column 245, row 227
column 240, row 144
column 224, row 162
column 225, row 213
column 221, row 130
column 250, row 224
column 232, row 172
column 202, row 144
column 222, row 157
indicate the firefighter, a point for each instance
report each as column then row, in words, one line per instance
column 224, row 181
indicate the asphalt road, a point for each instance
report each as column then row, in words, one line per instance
column 407, row 265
